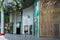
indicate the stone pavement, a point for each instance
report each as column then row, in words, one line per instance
column 23, row 37
column 2, row 38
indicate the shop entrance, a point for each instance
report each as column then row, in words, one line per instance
column 18, row 28
column 28, row 30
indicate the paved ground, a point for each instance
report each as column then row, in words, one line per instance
column 2, row 38
column 23, row 37
column 49, row 38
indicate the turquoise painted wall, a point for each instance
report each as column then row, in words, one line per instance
column 36, row 18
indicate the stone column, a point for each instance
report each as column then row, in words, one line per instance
column 14, row 27
column 36, row 17
column 10, row 17
column 2, row 21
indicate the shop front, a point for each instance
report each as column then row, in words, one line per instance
column 21, row 22
column 12, row 23
column 18, row 22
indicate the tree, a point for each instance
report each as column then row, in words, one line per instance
column 11, row 6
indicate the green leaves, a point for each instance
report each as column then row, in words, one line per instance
column 6, row 18
column 12, row 7
column 0, row 8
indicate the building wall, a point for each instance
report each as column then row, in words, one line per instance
column 49, row 18
column 25, row 20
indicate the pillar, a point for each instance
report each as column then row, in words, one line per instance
column 10, row 17
column 2, row 18
column 2, row 21
column 14, row 23
column 36, row 17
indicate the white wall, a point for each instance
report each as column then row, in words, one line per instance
column 25, row 20
column 18, row 17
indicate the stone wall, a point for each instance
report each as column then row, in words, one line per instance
column 50, row 18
